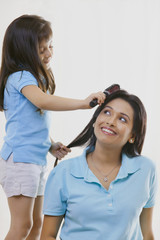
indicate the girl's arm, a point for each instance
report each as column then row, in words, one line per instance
column 50, row 228
column 146, row 223
column 51, row 102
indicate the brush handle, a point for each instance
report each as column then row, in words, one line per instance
column 107, row 91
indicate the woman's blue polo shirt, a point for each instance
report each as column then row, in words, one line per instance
column 92, row 212
column 27, row 131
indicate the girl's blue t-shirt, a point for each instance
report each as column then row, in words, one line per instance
column 27, row 131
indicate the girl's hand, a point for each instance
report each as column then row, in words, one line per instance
column 100, row 96
column 59, row 150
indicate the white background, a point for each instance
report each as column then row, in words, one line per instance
column 97, row 43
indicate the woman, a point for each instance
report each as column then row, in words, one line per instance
column 108, row 192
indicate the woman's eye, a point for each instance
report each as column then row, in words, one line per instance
column 107, row 112
column 123, row 119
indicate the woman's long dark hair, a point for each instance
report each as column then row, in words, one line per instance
column 20, row 52
column 88, row 138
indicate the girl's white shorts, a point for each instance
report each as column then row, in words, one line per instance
column 25, row 179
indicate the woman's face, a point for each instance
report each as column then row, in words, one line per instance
column 46, row 52
column 113, row 127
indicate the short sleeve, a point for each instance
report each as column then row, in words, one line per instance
column 55, row 196
column 152, row 191
column 22, row 79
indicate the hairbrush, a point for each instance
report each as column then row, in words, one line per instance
column 107, row 92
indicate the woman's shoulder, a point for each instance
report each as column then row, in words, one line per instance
column 70, row 163
column 145, row 159
column 144, row 162
column 65, row 168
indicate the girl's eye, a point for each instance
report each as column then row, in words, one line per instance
column 41, row 51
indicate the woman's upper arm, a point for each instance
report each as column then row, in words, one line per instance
column 50, row 228
column 146, row 223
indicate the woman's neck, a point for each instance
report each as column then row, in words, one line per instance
column 107, row 156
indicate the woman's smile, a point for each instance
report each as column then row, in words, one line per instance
column 108, row 131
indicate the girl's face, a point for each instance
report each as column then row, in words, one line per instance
column 113, row 126
column 46, row 52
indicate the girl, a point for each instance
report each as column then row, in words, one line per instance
column 108, row 192
column 26, row 92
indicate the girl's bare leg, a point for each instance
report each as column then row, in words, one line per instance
column 37, row 220
column 21, row 211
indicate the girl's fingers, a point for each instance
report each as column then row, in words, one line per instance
column 59, row 155
column 61, row 150
column 59, row 146
column 64, row 148
column 100, row 96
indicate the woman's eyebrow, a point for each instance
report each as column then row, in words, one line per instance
column 108, row 107
column 124, row 114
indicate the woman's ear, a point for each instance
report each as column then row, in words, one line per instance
column 131, row 140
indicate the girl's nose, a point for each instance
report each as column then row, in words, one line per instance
column 48, row 53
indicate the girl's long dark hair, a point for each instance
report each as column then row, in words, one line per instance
column 20, row 52
column 88, row 138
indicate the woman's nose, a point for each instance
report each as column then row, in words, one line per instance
column 111, row 121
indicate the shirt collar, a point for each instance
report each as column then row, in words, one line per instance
column 81, row 170
column 130, row 165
